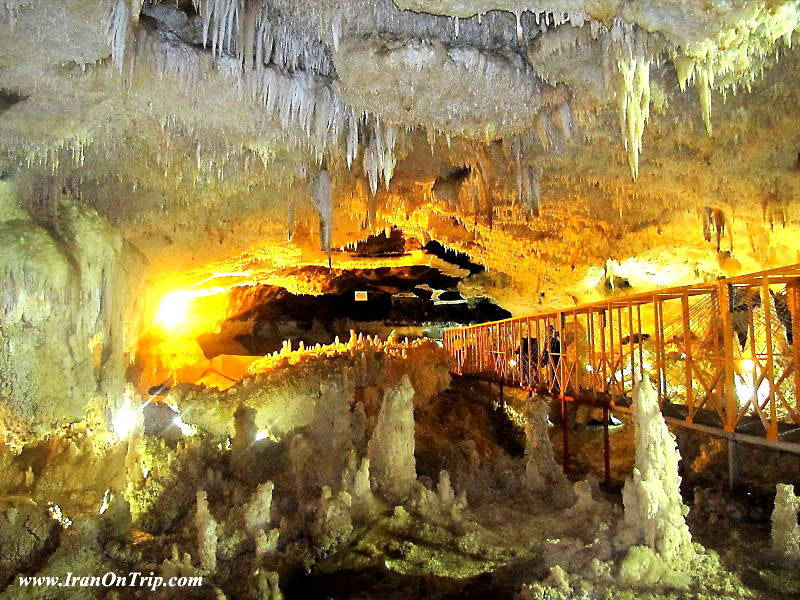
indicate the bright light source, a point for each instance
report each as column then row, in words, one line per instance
column 593, row 277
column 57, row 515
column 124, row 419
column 744, row 389
column 589, row 369
column 512, row 363
column 747, row 364
column 172, row 310
column 174, row 307
column 185, row 429
column 264, row 434
column 106, row 501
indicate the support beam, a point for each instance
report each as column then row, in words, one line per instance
column 565, row 434
column 733, row 466
column 606, row 448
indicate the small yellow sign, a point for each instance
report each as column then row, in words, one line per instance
column 361, row 296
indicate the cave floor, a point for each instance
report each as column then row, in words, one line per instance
column 410, row 556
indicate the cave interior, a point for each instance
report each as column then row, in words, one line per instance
column 234, row 235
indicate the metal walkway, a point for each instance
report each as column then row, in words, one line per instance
column 722, row 355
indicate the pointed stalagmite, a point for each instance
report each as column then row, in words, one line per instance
column 654, row 526
column 391, row 449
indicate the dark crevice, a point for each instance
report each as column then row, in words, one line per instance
column 453, row 257
column 9, row 98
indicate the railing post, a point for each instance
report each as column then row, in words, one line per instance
column 611, row 362
column 565, row 433
column 772, row 433
column 659, row 345
column 633, row 351
column 639, row 331
column 687, row 357
column 577, row 364
column 793, row 301
column 539, row 350
column 606, row 447
column 603, row 357
column 725, row 296
column 590, row 338
column 529, row 381
column 561, row 347
column 621, row 352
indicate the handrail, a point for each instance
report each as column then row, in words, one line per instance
column 723, row 353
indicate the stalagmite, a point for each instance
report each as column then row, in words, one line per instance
column 258, row 511
column 391, row 450
column 543, row 475
column 654, row 526
column 785, row 530
column 206, row 528
column 356, row 481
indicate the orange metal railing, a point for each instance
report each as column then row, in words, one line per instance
column 722, row 355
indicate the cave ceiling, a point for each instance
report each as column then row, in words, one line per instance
column 559, row 144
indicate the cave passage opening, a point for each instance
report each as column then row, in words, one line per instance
column 389, row 282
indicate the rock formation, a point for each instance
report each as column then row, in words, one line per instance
column 391, row 448
column 785, row 530
column 543, row 475
column 654, row 526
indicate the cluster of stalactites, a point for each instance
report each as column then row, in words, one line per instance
column 301, row 101
column 257, row 37
column 8, row 11
column 379, row 158
column 687, row 70
column 633, row 102
column 736, row 57
column 122, row 20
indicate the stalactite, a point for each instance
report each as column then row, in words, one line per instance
column 531, row 190
column 684, row 67
column 122, row 23
column 705, row 81
column 633, row 101
column 379, row 159
column 322, row 194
